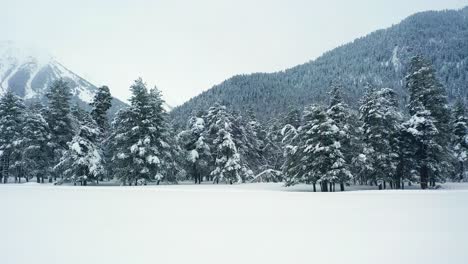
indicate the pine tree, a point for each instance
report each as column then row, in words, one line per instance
column 198, row 153
column 228, row 163
column 83, row 160
column 36, row 150
column 460, row 137
column 120, row 144
column 59, row 118
column 299, row 166
column 11, row 122
column 136, row 142
column 427, row 94
column 101, row 103
column 380, row 125
column 339, row 112
column 165, row 142
column 220, row 128
column 422, row 128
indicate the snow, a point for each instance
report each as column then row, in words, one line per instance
column 193, row 156
column 76, row 147
column 395, row 60
column 248, row 223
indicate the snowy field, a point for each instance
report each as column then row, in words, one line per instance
column 250, row 223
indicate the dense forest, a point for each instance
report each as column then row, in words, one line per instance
column 325, row 144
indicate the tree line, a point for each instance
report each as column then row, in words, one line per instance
column 381, row 143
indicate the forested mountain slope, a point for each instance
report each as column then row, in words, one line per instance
column 380, row 58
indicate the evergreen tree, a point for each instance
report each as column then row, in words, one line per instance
column 460, row 137
column 299, row 166
column 169, row 151
column 220, row 128
column 36, row 150
column 83, row 160
column 317, row 155
column 198, row 154
column 422, row 128
column 427, row 94
column 59, row 119
column 119, row 146
column 228, row 163
column 380, row 125
column 340, row 113
column 101, row 103
column 11, row 122
column 137, row 144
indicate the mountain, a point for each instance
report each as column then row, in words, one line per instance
column 380, row 58
column 28, row 72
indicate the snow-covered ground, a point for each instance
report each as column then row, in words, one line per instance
column 249, row 223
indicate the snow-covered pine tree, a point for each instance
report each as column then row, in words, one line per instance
column 381, row 120
column 11, row 123
column 340, row 113
column 422, row 128
column 248, row 144
column 36, row 150
column 59, row 118
column 364, row 161
column 119, row 146
column 83, row 160
column 298, row 166
column 101, row 103
column 228, row 163
column 164, row 140
column 257, row 140
column 135, row 139
column 426, row 92
column 198, row 154
column 460, row 137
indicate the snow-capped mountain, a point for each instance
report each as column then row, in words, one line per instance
column 28, row 72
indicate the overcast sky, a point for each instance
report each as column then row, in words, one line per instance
column 185, row 47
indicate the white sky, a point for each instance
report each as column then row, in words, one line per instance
column 185, row 47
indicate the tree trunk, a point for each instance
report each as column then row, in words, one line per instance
column 314, row 187
column 324, row 186
column 423, row 171
column 331, row 187
column 398, row 183
column 342, row 186
column 461, row 171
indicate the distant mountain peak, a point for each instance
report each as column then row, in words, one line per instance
column 28, row 71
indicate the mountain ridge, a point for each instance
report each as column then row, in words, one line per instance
column 379, row 57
